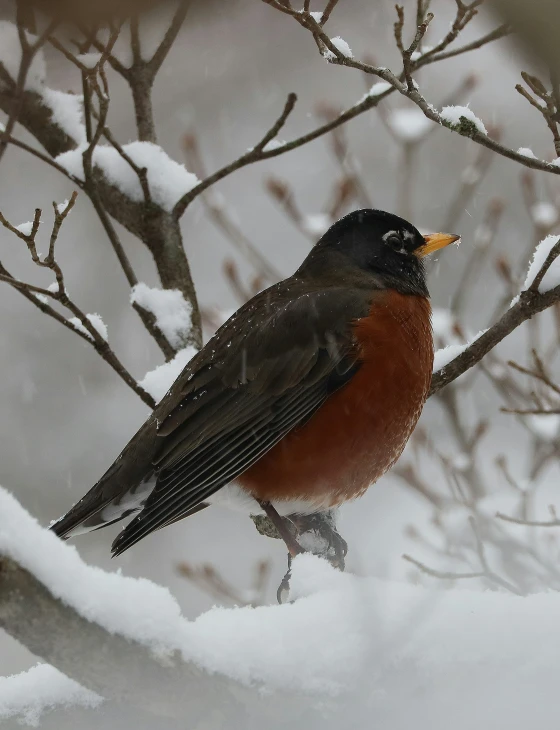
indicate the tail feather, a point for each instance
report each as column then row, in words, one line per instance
column 65, row 532
column 80, row 520
column 93, row 512
column 123, row 541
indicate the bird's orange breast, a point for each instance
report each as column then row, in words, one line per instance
column 361, row 430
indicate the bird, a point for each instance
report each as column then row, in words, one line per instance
column 304, row 398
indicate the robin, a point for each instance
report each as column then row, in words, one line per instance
column 300, row 401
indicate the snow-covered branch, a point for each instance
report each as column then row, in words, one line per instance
column 54, row 119
column 124, row 639
column 346, row 642
column 529, row 304
column 29, row 695
column 458, row 119
column 540, row 291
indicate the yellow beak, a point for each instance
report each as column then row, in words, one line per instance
column 435, row 241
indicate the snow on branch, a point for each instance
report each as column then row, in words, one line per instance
column 173, row 315
column 458, row 119
column 136, row 184
column 544, row 269
column 29, row 695
column 158, row 381
column 341, row 45
column 67, row 112
column 465, row 357
column 540, row 291
column 96, row 321
column 168, row 180
column 445, row 355
column 77, row 618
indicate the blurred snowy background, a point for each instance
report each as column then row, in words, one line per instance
column 67, row 415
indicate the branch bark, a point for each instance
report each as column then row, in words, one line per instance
column 106, row 663
column 529, row 304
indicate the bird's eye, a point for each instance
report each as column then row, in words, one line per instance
column 395, row 242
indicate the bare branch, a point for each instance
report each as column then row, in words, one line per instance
column 539, row 372
column 433, row 57
column 406, row 53
column 441, row 574
column 140, row 78
column 532, row 411
column 35, row 294
column 554, row 522
column 548, row 108
column 257, row 153
column 155, row 63
column 28, row 53
column 465, row 13
column 328, row 10
column 44, row 158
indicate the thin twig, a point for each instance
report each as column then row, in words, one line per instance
column 532, row 411
column 554, row 522
column 539, row 373
column 28, row 53
column 155, row 63
column 442, row 574
column 60, row 294
column 465, row 14
column 219, row 215
column 501, row 32
column 257, row 153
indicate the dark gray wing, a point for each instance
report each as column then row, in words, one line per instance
column 265, row 371
column 241, row 404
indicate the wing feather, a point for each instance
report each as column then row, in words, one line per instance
column 184, row 485
column 265, row 372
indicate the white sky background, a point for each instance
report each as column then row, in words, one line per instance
column 66, row 415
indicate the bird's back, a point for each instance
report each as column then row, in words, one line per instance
column 241, row 371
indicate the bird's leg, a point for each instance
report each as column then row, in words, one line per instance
column 283, row 592
column 315, row 533
column 281, row 525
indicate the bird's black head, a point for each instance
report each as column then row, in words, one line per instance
column 380, row 244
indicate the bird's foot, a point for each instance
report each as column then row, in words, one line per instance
column 317, row 534
column 314, row 534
